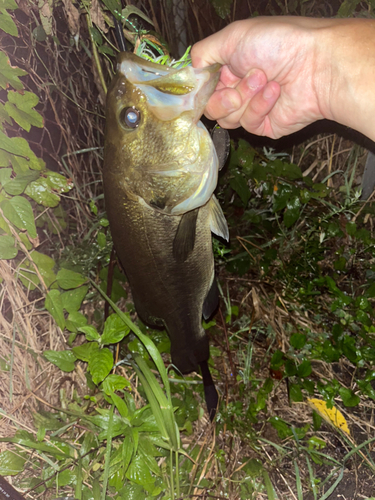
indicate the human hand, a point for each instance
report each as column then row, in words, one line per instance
column 277, row 73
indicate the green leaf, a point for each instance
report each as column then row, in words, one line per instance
column 370, row 292
column 317, row 420
column 65, row 477
column 277, row 360
column 119, row 402
column 239, row 184
column 348, row 397
column 114, row 330
column 304, row 369
column 290, row 368
column 132, row 491
column 139, row 472
column 83, row 352
column 47, row 420
column 351, row 228
column 20, row 108
column 45, row 265
column 285, row 169
column 131, row 9
column 72, row 299
column 19, row 212
column 91, row 333
column 101, row 239
column 348, row 346
column 75, row 320
column 295, row 393
column 19, row 147
column 104, row 49
column 4, row 118
column 53, row 304
column 18, row 184
column 254, row 467
column 305, row 195
column 40, row 33
column 93, row 207
column 100, row 364
column 347, row 8
column 9, row 74
column 58, row 182
column 8, row 249
column 96, row 36
column 114, row 383
column 282, row 427
column 11, row 464
column 298, row 340
column 114, row 6
column 7, row 24
column 46, row 190
column 28, row 278
column 65, row 360
column 222, row 7
column 292, row 211
column 8, row 4
column 67, row 279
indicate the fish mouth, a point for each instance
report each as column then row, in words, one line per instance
column 170, row 91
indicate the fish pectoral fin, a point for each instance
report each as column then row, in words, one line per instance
column 221, row 139
column 218, row 223
column 184, row 240
column 211, row 301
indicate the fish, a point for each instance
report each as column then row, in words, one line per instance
column 160, row 173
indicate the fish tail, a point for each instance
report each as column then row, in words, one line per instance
column 210, row 392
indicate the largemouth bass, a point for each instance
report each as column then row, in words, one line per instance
column 160, row 171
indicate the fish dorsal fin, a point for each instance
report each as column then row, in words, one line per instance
column 211, row 301
column 184, row 240
column 218, row 224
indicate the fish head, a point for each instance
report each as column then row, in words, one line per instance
column 155, row 146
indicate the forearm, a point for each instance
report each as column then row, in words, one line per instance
column 346, row 82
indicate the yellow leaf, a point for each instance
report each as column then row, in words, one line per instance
column 331, row 415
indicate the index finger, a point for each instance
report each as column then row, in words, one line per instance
column 216, row 48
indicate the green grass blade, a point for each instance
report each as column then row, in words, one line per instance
column 78, row 487
column 108, row 453
column 333, row 487
column 298, row 481
column 312, row 478
column 268, row 485
column 161, row 406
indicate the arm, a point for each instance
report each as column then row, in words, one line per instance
column 283, row 73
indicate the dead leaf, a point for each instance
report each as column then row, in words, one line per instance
column 72, row 14
column 331, row 415
column 97, row 16
column 45, row 9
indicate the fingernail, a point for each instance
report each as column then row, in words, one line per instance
column 254, row 80
column 268, row 93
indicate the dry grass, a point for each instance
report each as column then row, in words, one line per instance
column 29, row 382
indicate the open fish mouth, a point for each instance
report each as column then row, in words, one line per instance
column 170, row 91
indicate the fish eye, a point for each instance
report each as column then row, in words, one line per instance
column 130, row 117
